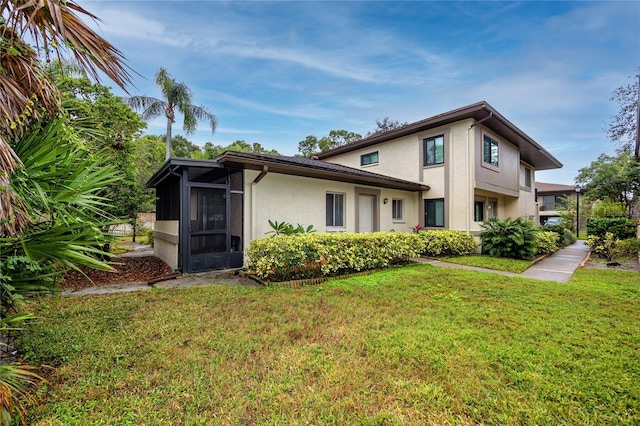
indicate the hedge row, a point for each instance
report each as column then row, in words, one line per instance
column 621, row 227
column 284, row 258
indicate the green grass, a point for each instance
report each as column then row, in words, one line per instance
column 412, row 345
column 489, row 262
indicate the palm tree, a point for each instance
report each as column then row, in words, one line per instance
column 177, row 95
column 27, row 94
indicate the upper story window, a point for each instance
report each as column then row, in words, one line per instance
column 527, row 177
column 490, row 151
column 434, row 150
column 335, row 209
column 367, row 159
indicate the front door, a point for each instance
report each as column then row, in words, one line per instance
column 366, row 212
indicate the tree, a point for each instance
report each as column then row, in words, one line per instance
column 149, row 156
column 177, row 95
column 27, row 93
column 336, row 138
column 623, row 126
column 386, row 125
column 109, row 126
column 612, row 178
column 182, row 147
column 211, row 151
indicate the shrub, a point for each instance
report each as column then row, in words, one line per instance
column 546, row 242
column 445, row 243
column 565, row 236
column 621, row 228
column 285, row 228
column 628, row 247
column 603, row 247
column 290, row 257
column 608, row 209
column 513, row 238
column 148, row 232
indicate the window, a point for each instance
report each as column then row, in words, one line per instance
column 367, row 159
column 398, row 209
column 478, row 211
column 527, row 177
column 490, row 151
column 434, row 212
column 335, row 209
column 434, row 150
column 553, row 202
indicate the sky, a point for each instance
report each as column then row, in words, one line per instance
column 276, row 72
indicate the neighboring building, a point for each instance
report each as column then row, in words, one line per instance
column 451, row 171
column 551, row 198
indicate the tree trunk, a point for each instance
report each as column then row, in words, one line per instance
column 168, row 142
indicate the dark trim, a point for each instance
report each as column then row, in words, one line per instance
column 301, row 166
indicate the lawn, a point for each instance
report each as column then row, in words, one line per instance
column 412, row 345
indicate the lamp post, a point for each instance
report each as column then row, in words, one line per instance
column 578, row 189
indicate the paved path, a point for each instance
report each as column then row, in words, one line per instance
column 557, row 267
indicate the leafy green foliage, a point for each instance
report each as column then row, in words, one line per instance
column 284, row 258
column 445, row 243
column 604, row 247
column 608, row 209
column 612, row 178
column 60, row 184
column 565, row 236
column 514, row 238
column 546, row 242
column 621, row 228
column 109, row 128
column 629, row 247
column 312, row 145
column 608, row 247
column 285, row 228
column 211, row 151
column 16, row 381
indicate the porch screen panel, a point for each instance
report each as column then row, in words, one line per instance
column 208, row 209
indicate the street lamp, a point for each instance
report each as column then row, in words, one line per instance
column 578, row 189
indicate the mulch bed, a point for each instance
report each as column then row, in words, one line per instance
column 126, row 270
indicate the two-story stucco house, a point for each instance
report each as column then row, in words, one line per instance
column 450, row 171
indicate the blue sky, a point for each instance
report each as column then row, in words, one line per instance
column 275, row 72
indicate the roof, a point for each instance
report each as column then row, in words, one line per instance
column 530, row 151
column 302, row 166
column 296, row 166
column 554, row 187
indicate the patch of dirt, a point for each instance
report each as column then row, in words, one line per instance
column 625, row 264
column 126, row 270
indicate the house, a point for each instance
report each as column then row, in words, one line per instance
column 551, row 198
column 450, row 171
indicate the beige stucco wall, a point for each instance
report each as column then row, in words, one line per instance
column 461, row 179
column 165, row 242
column 296, row 199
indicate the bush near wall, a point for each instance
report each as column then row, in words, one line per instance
column 284, row 258
column 445, row 243
column 621, row 228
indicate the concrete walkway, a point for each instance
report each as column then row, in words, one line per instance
column 557, row 267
